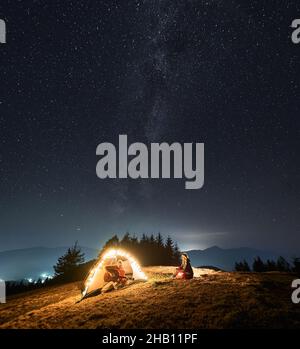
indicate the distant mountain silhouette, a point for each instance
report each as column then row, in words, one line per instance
column 33, row 262
column 226, row 258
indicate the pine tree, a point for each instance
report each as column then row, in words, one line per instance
column 152, row 240
column 271, row 265
column 258, row 265
column 144, row 254
column 126, row 241
column 144, row 241
column 159, row 240
column 159, row 249
column 169, row 251
column 242, row 266
column 238, row 266
column 67, row 263
column 134, row 244
column 282, row 264
column 111, row 243
column 177, row 254
column 246, row 266
column 296, row 265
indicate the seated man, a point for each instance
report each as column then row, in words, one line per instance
column 115, row 277
column 122, row 279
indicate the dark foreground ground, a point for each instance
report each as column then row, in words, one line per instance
column 212, row 300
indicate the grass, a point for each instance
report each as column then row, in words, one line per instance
column 212, row 300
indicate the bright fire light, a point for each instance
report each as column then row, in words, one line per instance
column 111, row 254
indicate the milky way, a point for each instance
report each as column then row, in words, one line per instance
column 75, row 74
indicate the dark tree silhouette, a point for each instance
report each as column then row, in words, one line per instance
column 169, row 249
column 258, row 265
column 282, row 264
column 67, row 263
column 271, row 265
column 242, row 266
column 238, row 266
column 159, row 240
column 111, row 243
column 126, row 241
column 160, row 249
column 177, row 254
column 149, row 250
column 296, row 265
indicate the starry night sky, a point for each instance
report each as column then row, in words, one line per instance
column 74, row 74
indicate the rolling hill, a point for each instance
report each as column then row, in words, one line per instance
column 210, row 300
column 226, row 258
column 33, row 262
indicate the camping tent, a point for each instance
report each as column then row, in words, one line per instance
column 96, row 277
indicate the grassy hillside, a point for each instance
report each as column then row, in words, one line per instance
column 212, row 300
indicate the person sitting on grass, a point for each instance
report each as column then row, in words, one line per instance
column 185, row 271
column 115, row 277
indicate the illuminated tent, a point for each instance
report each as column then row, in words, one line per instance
column 96, row 277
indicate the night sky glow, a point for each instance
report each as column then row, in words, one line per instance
column 75, row 74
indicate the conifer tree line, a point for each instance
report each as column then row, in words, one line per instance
column 259, row 265
column 149, row 249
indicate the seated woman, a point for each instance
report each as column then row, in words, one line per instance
column 185, row 271
column 115, row 277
